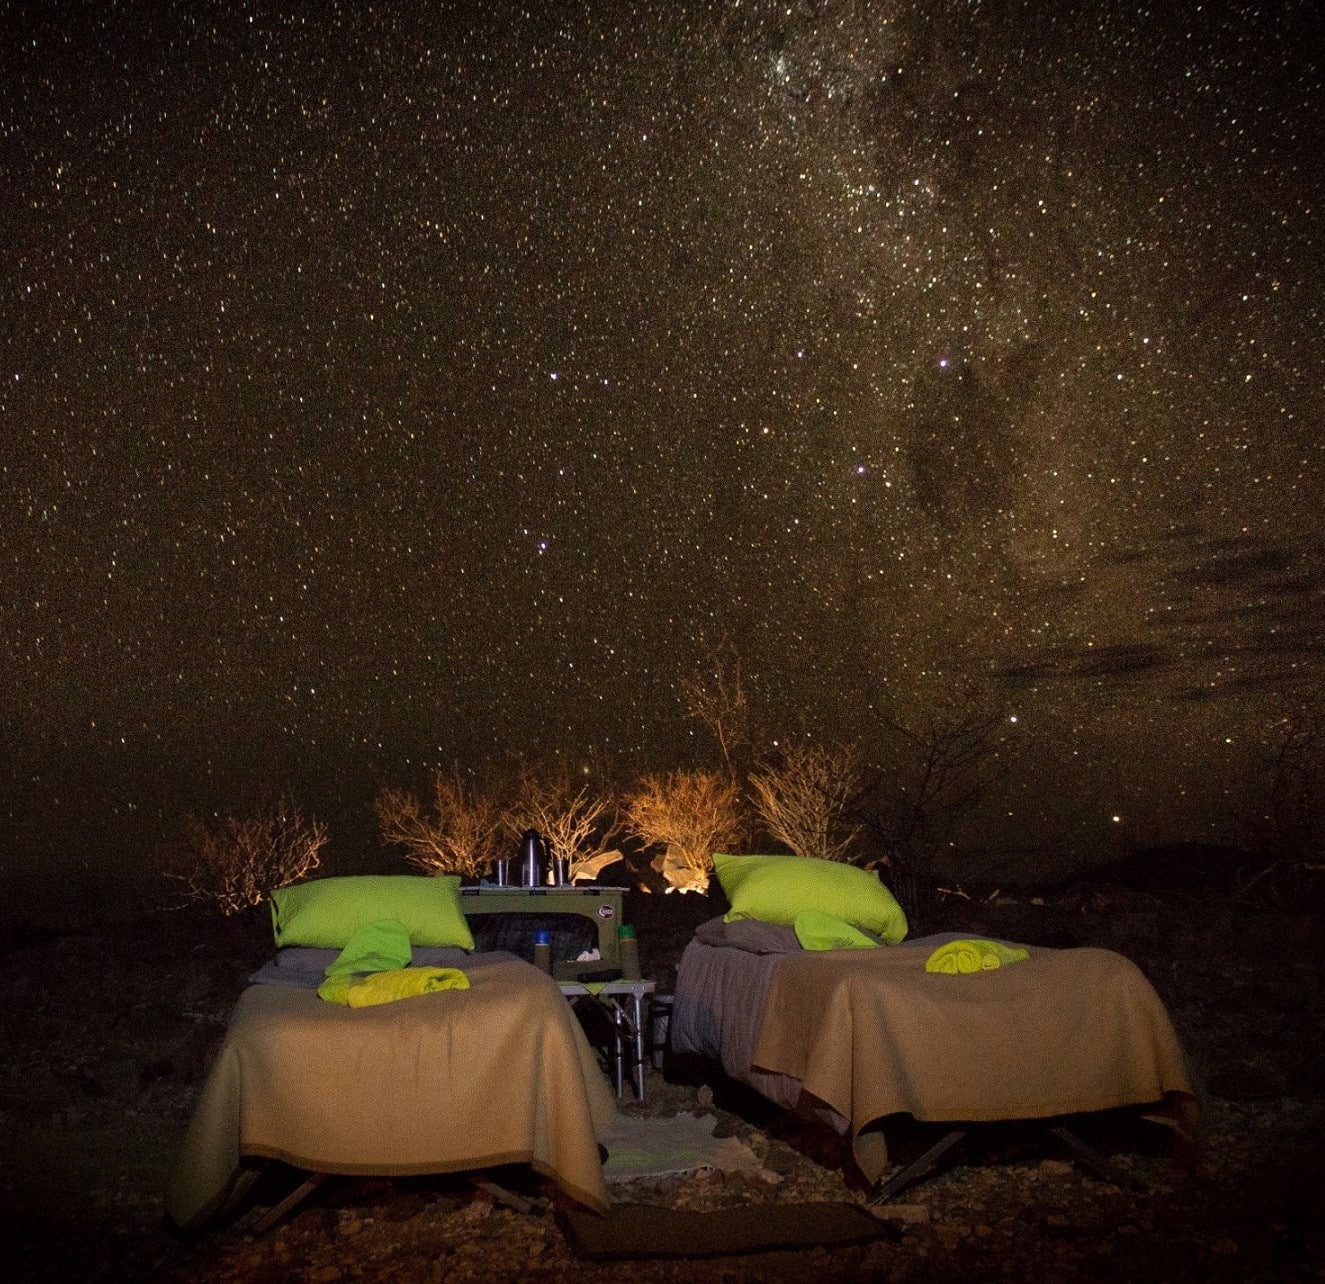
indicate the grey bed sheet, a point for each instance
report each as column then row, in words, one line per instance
column 717, row 1010
column 304, row 967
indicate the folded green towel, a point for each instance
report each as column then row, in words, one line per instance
column 389, row 987
column 819, row 930
column 381, row 946
column 973, row 956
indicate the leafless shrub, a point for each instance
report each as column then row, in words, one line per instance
column 577, row 824
column 802, row 798
column 1287, row 831
column 1292, row 823
column 719, row 702
column 938, row 765
column 691, row 814
column 236, row 861
column 459, row 837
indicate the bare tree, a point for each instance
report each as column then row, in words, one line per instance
column 941, row 764
column 802, row 798
column 1288, row 830
column 459, row 837
column 720, row 703
column 236, row 861
column 691, row 814
column 576, row 824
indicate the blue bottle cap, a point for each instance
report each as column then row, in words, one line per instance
column 542, row 938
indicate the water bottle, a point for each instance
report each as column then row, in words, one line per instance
column 531, row 858
column 543, row 951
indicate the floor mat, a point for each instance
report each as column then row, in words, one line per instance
column 640, row 1230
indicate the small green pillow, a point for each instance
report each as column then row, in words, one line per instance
column 816, row 930
column 328, row 911
column 775, row 889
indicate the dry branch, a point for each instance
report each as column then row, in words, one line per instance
column 720, row 703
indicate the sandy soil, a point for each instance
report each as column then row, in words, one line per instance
column 108, row 1030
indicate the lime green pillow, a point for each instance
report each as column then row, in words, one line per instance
column 775, row 889
column 328, row 911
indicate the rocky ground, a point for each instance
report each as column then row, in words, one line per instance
column 107, row 1031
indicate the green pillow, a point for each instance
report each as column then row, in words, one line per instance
column 816, row 930
column 328, row 911
column 774, row 889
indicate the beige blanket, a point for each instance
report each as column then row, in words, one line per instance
column 446, row 1082
column 871, row 1033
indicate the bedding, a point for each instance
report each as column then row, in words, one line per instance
column 459, row 1079
column 309, row 966
column 857, row 1035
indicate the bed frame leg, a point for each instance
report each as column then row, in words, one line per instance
column 504, row 1196
column 265, row 1221
column 259, row 1222
column 1087, row 1155
column 915, row 1170
column 1094, row 1161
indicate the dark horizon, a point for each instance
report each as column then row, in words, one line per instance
column 411, row 387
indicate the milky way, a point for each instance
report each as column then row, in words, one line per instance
column 399, row 384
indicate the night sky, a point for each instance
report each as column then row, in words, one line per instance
column 396, row 384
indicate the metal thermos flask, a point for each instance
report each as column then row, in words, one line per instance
column 531, row 859
column 628, row 949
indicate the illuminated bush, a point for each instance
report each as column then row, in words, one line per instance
column 461, row 836
column 690, row 814
column 577, row 825
column 235, row 861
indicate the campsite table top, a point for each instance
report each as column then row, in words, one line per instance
column 625, row 1001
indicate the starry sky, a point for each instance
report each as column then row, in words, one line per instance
column 397, row 384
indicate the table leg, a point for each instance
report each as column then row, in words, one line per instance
column 639, row 1044
column 618, row 1047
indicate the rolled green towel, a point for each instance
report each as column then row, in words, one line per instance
column 973, row 956
column 390, row 987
